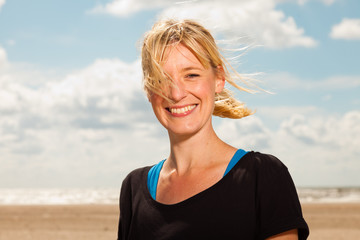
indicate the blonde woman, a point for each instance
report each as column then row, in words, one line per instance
column 205, row 188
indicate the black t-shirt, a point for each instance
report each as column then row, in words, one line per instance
column 255, row 200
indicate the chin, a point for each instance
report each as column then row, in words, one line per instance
column 183, row 131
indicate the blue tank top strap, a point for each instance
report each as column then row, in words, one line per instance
column 153, row 178
column 235, row 159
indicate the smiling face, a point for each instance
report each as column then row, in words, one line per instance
column 192, row 93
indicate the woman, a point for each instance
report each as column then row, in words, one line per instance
column 205, row 189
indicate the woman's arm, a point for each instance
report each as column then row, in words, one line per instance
column 288, row 235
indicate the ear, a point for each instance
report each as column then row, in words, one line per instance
column 220, row 79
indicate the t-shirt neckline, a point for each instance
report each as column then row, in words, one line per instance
column 228, row 172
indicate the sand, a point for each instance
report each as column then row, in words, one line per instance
column 333, row 221
column 326, row 221
column 64, row 222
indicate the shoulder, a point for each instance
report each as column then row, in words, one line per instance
column 137, row 175
column 259, row 169
column 135, row 179
column 266, row 159
column 263, row 162
column 271, row 175
column 133, row 184
column 266, row 170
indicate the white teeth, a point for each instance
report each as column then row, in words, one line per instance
column 182, row 110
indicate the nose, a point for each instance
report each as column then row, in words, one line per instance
column 177, row 91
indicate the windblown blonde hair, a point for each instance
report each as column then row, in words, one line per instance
column 201, row 43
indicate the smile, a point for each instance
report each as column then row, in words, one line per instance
column 181, row 110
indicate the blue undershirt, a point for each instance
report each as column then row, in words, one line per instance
column 154, row 173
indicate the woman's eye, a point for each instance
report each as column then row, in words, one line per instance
column 193, row 75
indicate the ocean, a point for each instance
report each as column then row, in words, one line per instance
column 111, row 196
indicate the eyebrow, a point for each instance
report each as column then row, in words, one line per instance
column 191, row 68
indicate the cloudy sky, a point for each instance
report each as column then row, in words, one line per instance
column 73, row 114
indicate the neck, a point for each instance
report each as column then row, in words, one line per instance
column 188, row 152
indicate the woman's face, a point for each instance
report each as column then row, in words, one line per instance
column 192, row 94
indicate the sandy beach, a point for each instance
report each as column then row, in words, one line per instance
column 62, row 222
column 333, row 221
column 49, row 222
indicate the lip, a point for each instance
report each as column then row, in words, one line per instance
column 181, row 111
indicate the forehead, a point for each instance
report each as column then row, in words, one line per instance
column 181, row 57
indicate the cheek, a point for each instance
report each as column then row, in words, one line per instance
column 154, row 99
column 156, row 103
column 206, row 90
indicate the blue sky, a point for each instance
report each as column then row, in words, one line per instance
column 73, row 113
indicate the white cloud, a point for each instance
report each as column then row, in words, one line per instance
column 125, row 8
column 10, row 42
column 279, row 113
column 348, row 29
column 103, row 78
column 281, row 81
column 3, row 58
column 246, row 133
column 334, row 132
column 258, row 20
column 339, row 82
column 2, row 2
column 326, row 2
